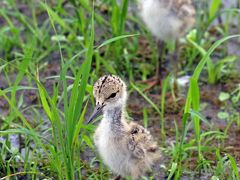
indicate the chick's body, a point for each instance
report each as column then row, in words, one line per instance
column 112, row 148
column 117, row 150
column 167, row 19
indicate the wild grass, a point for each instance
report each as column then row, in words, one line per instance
column 56, row 51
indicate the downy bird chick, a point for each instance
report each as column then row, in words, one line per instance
column 128, row 149
column 167, row 19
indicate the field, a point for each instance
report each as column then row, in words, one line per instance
column 52, row 52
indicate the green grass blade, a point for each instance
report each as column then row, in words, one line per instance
column 85, row 72
column 114, row 39
column 55, row 17
column 79, row 125
column 164, row 90
column 172, row 171
column 234, row 167
column 123, row 15
column 214, row 7
column 44, row 102
column 28, row 53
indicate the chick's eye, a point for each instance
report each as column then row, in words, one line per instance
column 112, row 95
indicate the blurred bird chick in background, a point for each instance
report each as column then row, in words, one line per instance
column 168, row 20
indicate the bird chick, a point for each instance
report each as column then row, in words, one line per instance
column 128, row 149
column 167, row 19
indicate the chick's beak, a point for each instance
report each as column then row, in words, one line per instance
column 97, row 110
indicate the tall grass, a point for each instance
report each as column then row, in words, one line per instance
column 193, row 102
column 67, row 128
column 211, row 15
column 118, row 19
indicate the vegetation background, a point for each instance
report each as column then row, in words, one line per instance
column 52, row 51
